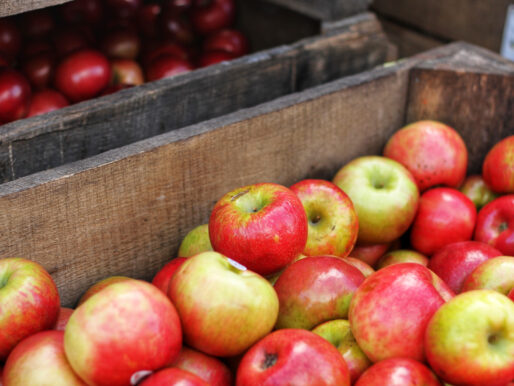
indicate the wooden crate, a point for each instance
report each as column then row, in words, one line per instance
column 326, row 9
column 477, row 22
column 92, row 127
column 124, row 212
column 13, row 7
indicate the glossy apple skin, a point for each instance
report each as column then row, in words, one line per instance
column 384, row 196
column 121, row 44
column 314, row 290
column 97, row 287
column 210, row 369
column 209, row 16
column 223, row 309
column 498, row 166
column 495, row 224
column 177, row 27
column 10, row 38
column 294, row 357
column 470, row 340
column 126, row 72
column 14, row 95
column 262, row 226
column 154, row 52
column 62, row 320
column 45, row 101
column 167, row 66
column 162, row 279
column 402, row 256
column 365, row 269
column 456, row 261
column 227, row 40
column 370, row 254
column 130, row 326
column 332, row 221
column 445, row 216
column 338, row 333
column 475, row 188
column 39, row 70
column 496, row 274
column 433, row 152
column 398, row 372
column 40, row 360
column 196, row 241
column 29, row 302
column 173, row 377
column 394, row 297
column 83, row 75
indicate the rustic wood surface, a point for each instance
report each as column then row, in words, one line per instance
column 478, row 22
column 12, row 7
column 95, row 126
column 326, row 9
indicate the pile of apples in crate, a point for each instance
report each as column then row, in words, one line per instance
column 306, row 285
column 52, row 57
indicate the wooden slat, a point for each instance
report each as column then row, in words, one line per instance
column 326, row 9
column 12, row 7
column 478, row 22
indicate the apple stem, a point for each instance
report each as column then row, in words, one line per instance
column 269, row 360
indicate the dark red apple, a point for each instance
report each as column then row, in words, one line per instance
column 177, row 27
column 82, row 11
column 227, row 40
column 167, row 66
column 148, row 19
column 163, row 49
column 39, row 70
column 121, row 44
column 46, row 101
column 214, row 57
column 68, row 40
column 37, row 24
column 35, row 47
column 209, row 16
column 123, row 9
column 14, row 95
column 10, row 38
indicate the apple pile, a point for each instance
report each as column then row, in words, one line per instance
column 52, row 57
column 385, row 276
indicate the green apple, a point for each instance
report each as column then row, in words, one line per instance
column 475, row 188
column 195, row 242
column 402, row 256
column 496, row 274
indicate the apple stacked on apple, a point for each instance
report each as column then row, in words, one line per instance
column 398, row 371
column 498, row 168
column 402, row 256
column 475, row 188
column 496, row 274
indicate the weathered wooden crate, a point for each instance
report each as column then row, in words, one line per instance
column 124, row 212
column 326, row 9
column 13, row 7
column 92, row 127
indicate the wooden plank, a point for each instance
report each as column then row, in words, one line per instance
column 12, row 7
column 326, row 9
column 125, row 211
column 478, row 22
column 95, row 126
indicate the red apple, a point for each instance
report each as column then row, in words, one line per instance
column 314, row 290
column 498, row 167
column 209, row 16
column 365, row 269
column 177, row 27
column 370, row 254
column 332, row 222
column 147, row 19
column 496, row 274
column 173, row 377
column 195, row 242
column 433, row 152
column 210, row 369
column 67, row 41
column 39, row 70
column 293, row 357
column 456, row 261
column 97, row 287
column 40, row 360
column 390, row 310
column 262, row 226
column 167, row 66
column 154, row 52
column 10, row 38
column 214, row 57
column 126, row 72
column 338, row 333
column 34, row 47
column 128, row 326
column 445, row 216
column 475, row 188
column 227, row 40
column 224, row 308
column 402, row 256
column 62, row 320
column 123, row 9
column 495, row 224
column 82, row 11
column 398, row 371
column 121, row 44
column 29, row 302
column 163, row 277
column 46, row 101
column 14, row 95
column 37, row 24
column 470, row 339
column 83, row 75
column 511, row 295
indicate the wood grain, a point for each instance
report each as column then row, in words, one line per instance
column 12, row 7
column 326, row 9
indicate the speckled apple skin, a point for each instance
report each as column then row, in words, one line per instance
column 498, row 166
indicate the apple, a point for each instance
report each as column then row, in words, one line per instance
column 162, row 279
column 398, row 371
column 153, row 52
column 470, row 339
column 456, row 261
column 315, row 290
column 495, row 224
column 167, row 66
column 97, row 287
column 511, row 295
column 384, row 195
column 210, row 369
column 34, row 47
column 196, row 241
column 37, row 24
column 496, row 274
column 390, row 310
column 29, row 302
column 68, row 40
column 224, row 308
column 214, row 57
column 82, row 11
column 39, row 69
column 10, row 38
column 129, row 326
column 45, row 101
column 433, row 152
column 147, row 19
column 402, row 256
column 338, row 333
column 177, row 27
column 126, row 72
column 445, row 216
column 227, row 40
column 475, row 188
column 293, row 357
column 209, row 16
column 124, row 9
column 262, row 226
column 62, row 320
column 173, row 377
column 365, row 269
column 121, row 44
column 14, row 95
column 498, row 167
column 370, row 254
column 40, row 360
column 332, row 222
